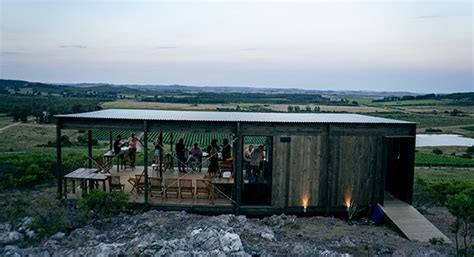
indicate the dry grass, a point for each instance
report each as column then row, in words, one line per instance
column 131, row 104
column 28, row 136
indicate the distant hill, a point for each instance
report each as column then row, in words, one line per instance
column 137, row 89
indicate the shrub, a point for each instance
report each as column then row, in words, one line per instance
column 436, row 192
column 437, row 151
column 466, row 156
column 432, row 130
column 99, row 204
column 460, row 205
column 470, row 149
column 83, row 140
column 436, row 241
column 51, row 216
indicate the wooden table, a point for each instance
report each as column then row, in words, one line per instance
column 224, row 185
column 86, row 175
column 110, row 155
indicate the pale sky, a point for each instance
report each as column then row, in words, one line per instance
column 417, row 46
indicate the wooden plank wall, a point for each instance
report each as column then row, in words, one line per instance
column 357, row 166
column 297, row 170
column 300, row 169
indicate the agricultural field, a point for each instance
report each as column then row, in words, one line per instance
column 132, row 104
column 203, row 139
column 431, row 159
column 5, row 120
column 469, row 128
column 445, row 173
column 28, row 136
column 428, row 120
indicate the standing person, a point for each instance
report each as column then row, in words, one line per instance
column 213, row 158
column 180, row 153
column 247, row 159
column 196, row 154
column 132, row 149
column 226, row 150
column 118, row 147
column 256, row 159
column 157, row 154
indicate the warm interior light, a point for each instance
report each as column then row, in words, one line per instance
column 348, row 200
column 305, row 202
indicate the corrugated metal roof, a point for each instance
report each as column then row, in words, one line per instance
column 134, row 114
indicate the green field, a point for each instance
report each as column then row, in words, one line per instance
column 470, row 128
column 203, row 139
column 429, row 159
column 428, row 120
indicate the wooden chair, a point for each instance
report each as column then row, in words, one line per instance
column 226, row 165
column 114, row 184
column 168, row 162
column 171, row 186
column 103, row 167
column 186, row 186
column 155, row 186
column 137, row 182
column 203, row 187
column 125, row 160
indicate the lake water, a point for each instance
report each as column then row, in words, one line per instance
column 443, row 140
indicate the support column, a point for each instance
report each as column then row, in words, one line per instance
column 160, row 142
column 110, row 140
column 145, row 156
column 59, row 161
column 89, row 148
column 238, row 166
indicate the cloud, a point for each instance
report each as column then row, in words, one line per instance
column 5, row 53
column 249, row 49
column 166, row 47
column 73, row 46
column 428, row 16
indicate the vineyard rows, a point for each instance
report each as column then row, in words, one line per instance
column 203, row 139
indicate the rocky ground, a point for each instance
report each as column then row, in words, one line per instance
column 156, row 233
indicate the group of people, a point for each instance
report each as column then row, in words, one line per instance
column 195, row 154
column 132, row 143
column 254, row 160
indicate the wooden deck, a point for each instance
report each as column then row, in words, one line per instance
column 134, row 197
column 409, row 221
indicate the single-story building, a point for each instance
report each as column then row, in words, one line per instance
column 313, row 162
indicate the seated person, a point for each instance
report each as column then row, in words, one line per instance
column 196, row 154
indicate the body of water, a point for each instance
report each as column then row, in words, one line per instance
column 443, row 140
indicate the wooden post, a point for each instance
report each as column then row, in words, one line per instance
column 238, row 166
column 171, row 147
column 59, row 161
column 89, row 148
column 145, row 157
column 330, row 175
column 171, row 142
column 160, row 142
column 110, row 140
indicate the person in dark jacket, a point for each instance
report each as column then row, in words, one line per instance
column 180, row 154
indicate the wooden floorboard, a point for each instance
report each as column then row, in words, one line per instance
column 134, row 197
column 409, row 221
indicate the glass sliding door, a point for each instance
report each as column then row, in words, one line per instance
column 257, row 170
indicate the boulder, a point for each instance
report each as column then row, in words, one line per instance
column 230, row 242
